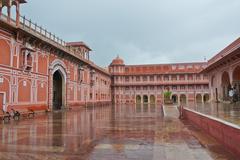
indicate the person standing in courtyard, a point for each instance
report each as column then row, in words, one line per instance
column 235, row 95
column 230, row 94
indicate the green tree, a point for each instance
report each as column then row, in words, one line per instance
column 167, row 97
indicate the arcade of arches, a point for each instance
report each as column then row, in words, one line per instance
column 221, row 83
column 226, row 85
column 200, row 98
column 229, row 79
column 145, row 99
column 236, row 78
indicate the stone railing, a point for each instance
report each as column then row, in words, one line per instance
column 28, row 24
column 47, row 36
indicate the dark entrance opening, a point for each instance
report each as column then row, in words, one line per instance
column 174, row 98
column 206, row 98
column 57, row 91
column 226, row 85
column 145, row 99
column 138, row 99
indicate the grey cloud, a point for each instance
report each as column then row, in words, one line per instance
column 142, row 31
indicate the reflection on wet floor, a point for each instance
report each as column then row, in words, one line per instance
column 226, row 111
column 138, row 132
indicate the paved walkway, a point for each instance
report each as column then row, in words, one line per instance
column 170, row 111
column 108, row 133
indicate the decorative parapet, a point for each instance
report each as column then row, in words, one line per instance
column 43, row 34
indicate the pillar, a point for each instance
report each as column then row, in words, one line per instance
column 67, row 91
column 148, row 97
column 0, row 11
column 179, row 98
column 50, row 90
column 9, row 14
column 17, row 14
column 230, row 73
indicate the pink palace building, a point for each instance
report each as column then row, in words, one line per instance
column 39, row 69
column 147, row 83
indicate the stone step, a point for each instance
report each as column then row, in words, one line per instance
column 170, row 111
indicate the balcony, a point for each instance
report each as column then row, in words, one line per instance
column 169, row 82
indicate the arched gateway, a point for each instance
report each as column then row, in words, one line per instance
column 226, row 86
column 138, row 99
column 152, row 99
column 58, row 90
column 59, row 77
column 175, row 98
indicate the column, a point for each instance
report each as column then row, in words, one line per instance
column 179, row 98
column 148, row 95
column 50, row 90
column 0, row 11
column 67, row 91
column 17, row 14
column 9, row 14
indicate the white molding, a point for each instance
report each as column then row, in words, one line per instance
column 12, row 46
column 62, row 71
column 58, row 62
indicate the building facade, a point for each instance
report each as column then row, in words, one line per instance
column 147, row 83
column 224, row 71
column 39, row 69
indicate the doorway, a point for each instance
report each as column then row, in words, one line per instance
column 145, row 99
column 152, row 99
column 183, row 99
column 58, row 90
column 138, row 99
column 199, row 98
column 175, row 99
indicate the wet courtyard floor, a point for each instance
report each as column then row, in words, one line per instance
column 108, row 133
column 229, row 112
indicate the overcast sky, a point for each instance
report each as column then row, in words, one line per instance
column 142, row 31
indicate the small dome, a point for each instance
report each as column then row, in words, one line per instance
column 117, row 61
